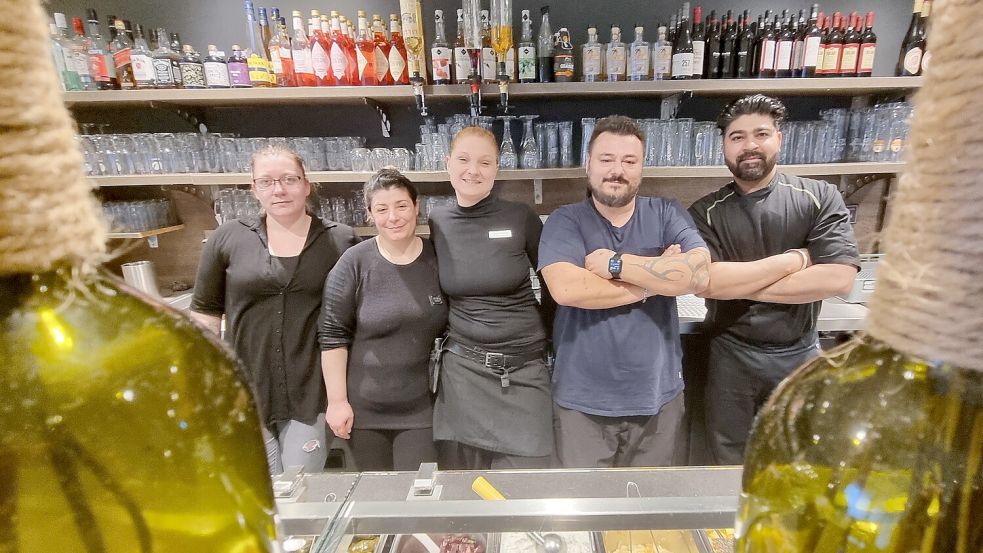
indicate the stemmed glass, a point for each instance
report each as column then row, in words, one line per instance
column 507, row 158
column 530, row 150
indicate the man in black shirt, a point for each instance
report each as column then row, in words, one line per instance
column 780, row 244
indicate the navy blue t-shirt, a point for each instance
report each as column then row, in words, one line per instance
column 627, row 360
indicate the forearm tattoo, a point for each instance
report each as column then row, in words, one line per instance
column 676, row 268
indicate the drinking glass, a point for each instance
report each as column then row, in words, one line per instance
column 361, row 160
column 586, row 130
column 682, row 141
column 401, row 159
column 703, row 143
column 529, row 149
column 507, row 158
column 566, row 143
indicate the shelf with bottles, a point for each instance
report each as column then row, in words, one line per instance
column 233, row 179
column 845, row 86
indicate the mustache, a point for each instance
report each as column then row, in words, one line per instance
column 749, row 155
column 619, row 180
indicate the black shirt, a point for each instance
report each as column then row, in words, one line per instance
column 271, row 307
column 485, row 254
column 387, row 315
column 791, row 212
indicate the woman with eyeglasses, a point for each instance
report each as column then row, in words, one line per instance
column 265, row 275
column 382, row 310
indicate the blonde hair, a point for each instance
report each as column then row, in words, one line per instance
column 276, row 150
column 475, row 131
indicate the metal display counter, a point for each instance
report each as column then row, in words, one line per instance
column 835, row 315
column 328, row 510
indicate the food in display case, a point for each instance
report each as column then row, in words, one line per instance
column 522, row 542
column 363, row 544
column 440, row 543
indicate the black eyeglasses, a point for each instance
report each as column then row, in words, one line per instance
column 285, row 181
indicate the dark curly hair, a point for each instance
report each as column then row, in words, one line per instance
column 756, row 104
column 385, row 179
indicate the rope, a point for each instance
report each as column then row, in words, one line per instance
column 49, row 215
column 929, row 296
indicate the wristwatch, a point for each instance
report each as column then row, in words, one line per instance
column 614, row 266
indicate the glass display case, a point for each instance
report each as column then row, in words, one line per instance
column 659, row 510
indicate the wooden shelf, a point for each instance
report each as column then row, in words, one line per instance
column 145, row 233
column 421, row 230
column 231, row 179
column 848, row 86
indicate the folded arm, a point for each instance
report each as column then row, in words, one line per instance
column 672, row 274
column 739, row 280
column 575, row 286
column 814, row 283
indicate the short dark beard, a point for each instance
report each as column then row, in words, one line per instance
column 751, row 174
column 611, row 200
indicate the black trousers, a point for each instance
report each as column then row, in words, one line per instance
column 385, row 450
column 740, row 378
column 458, row 456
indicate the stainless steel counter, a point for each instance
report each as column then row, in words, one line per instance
column 836, row 315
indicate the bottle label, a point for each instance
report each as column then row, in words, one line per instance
column 216, row 74
column 462, row 64
column 258, row 69
column 867, row 52
column 640, row 61
column 239, row 74
column 286, row 53
column 682, row 64
column 798, row 49
column 143, row 68
column 662, row 62
column 768, row 55
column 527, row 62
column 302, row 61
column 811, row 56
column 397, row 64
column 592, row 60
column 193, row 75
column 783, row 62
column 831, row 61
column 176, row 72
column 699, row 51
column 97, row 67
column 381, row 64
column 320, row 62
column 361, row 63
column 563, row 65
column 510, row 64
column 488, row 63
column 122, row 57
column 162, row 71
column 848, row 63
column 80, row 59
column 616, row 59
column 913, row 61
column 339, row 62
column 275, row 60
column 441, row 61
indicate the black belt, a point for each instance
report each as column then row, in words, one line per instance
column 499, row 363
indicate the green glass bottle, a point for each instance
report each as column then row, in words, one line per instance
column 867, row 451
column 125, row 427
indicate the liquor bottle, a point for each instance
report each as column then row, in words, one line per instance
column 868, row 48
column 365, row 52
column 300, row 48
column 398, row 65
column 320, row 46
column 142, row 60
column 759, row 32
column 812, row 39
column 851, row 48
column 281, row 59
column 101, row 65
column 544, row 47
column 910, row 59
column 462, row 63
column 743, row 56
column 527, row 50
column 590, row 55
column 699, row 42
column 783, row 56
column 671, row 30
column 80, row 46
column 382, row 46
column 682, row 50
column 412, row 27
column 260, row 71
column 728, row 48
column 58, row 57
column 769, row 44
column 111, row 24
column 351, row 53
column 165, row 62
column 239, row 69
column 711, row 65
column 336, row 55
column 176, row 54
column 563, row 59
column 64, row 52
column 122, row 48
column 923, row 32
column 216, row 69
column 833, row 48
column 615, row 58
column 192, row 71
column 639, row 57
column 798, row 45
column 661, row 55
column 487, row 52
column 129, row 30
column 440, row 52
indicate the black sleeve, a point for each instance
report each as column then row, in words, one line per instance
column 698, row 212
column 336, row 323
column 831, row 239
column 209, row 292
column 547, row 306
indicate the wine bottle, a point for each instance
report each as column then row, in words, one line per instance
column 851, row 48
column 769, row 43
column 833, row 48
column 783, row 55
column 728, row 46
column 699, row 43
column 910, row 58
column 868, row 48
column 812, row 38
column 682, row 49
column 711, row 65
column 743, row 56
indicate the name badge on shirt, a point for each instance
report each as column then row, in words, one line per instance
column 493, row 234
column 436, row 300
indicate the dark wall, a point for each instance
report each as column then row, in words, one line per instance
column 222, row 22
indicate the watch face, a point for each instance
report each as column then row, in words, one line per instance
column 614, row 266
